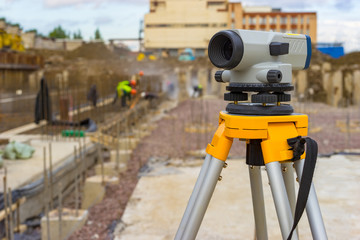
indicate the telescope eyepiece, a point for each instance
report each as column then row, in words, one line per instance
column 226, row 49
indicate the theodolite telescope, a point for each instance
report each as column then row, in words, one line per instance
column 256, row 61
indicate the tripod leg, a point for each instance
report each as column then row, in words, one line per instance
column 280, row 197
column 312, row 207
column 288, row 176
column 258, row 202
column 193, row 196
column 201, row 200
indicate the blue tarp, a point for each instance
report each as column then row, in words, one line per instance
column 334, row 52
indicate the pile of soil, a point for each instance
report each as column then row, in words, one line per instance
column 348, row 59
column 318, row 57
column 91, row 51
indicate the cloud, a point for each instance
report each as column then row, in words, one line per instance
column 344, row 5
column 69, row 3
column 346, row 32
column 65, row 23
column 102, row 20
column 304, row 4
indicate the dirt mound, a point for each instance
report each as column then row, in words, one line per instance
column 348, row 59
column 91, row 51
column 318, row 57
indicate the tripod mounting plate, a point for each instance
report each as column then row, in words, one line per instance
column 259, row 109
column 259, row 87
column 258, row 127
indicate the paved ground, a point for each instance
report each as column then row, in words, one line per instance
column 157, row 204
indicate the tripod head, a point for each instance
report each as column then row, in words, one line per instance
column 262, row 62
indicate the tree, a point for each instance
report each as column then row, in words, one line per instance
column 77, row 35
column 58, row 32
column 98, row 34
column 33, row 30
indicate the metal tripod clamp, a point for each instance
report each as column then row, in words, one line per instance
column 273, row 130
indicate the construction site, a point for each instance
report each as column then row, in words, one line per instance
column 79, row 160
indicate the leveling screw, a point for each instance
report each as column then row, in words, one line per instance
column 284, row 169
column 225, row 165
column 219, row 178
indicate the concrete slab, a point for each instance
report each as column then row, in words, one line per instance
column 27, row 127
column 124, row 156
column 110, row 169
column 69, row 224
column 128, row 143
column 158, row 202
column 94, row 190
column 124, row 143
column 141, row 133
column 22, row 172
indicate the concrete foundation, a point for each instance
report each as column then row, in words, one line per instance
column 69, row 224
column 20, row 173
column 337, row 91
column 94, row 190
column 147, row 127
column 109, row 141
column 124, row 156
column 110, row 169
column 128, row 143
column 357, row 87
column 141, row 133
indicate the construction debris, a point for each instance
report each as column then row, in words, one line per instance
column 17, row 150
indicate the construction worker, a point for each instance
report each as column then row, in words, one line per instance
column 138, row 77
column 133, row 83
column 93, row 95
column 123, row 90
column 198, row 90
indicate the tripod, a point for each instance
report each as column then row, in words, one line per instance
column 267, row 140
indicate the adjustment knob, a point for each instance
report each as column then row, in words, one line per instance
column 283, row 97
column 218, row 75
column 263, row 98
column 274, row 76
column 223, row 76
column 238, row 96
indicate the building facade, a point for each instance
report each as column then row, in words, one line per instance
column 271, row 19
column 173, row 25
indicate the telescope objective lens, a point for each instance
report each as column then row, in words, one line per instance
column 226, row 49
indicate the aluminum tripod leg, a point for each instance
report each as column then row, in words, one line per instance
column 312, row 207
column 280, row 197
column 194, row 195
column 258, row 202
column 198, row 204
column 288, row 176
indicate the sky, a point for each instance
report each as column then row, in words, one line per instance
column 338, row 20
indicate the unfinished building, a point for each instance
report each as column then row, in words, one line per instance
column 173, row 25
